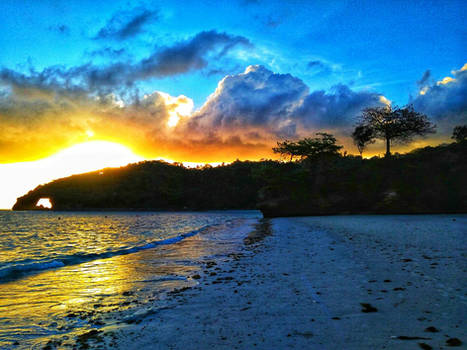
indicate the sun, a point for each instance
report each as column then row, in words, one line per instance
column 16, row 179
column 93, row 155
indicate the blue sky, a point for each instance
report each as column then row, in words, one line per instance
column 381, row 45
column 372, row 48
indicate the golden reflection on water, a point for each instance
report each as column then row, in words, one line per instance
column 64, row 288
column 42, row 303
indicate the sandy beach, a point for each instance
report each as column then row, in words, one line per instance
column 338, row 282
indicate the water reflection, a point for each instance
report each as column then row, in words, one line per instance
column 71, row 299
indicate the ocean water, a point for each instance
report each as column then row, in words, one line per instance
column 64, row 273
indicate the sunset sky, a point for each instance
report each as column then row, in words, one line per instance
column 213, row 81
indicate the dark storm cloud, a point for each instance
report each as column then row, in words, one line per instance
column 446, row 100
column 182, row 57
column 126, row 24
column 279, row 104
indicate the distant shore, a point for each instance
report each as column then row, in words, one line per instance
column 359, row 282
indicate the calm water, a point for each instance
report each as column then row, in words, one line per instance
column 62, row 273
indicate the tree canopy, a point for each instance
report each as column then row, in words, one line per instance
column 362, row 136
column 459, row 133
column 324, row 144
column 392, row 124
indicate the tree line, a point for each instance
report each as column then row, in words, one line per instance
column 391, row 124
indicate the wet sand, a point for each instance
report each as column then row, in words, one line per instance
column 355, row 282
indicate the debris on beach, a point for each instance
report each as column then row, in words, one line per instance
column 453, row 342
column 368, row 307
column 404, row 337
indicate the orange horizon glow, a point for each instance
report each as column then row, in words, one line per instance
column 16, row 179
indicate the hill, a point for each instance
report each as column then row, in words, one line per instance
column 151, row 185
column 427, row 180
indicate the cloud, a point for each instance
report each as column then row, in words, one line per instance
column 337, row 108
column 189, row 55
column 319, row 68
column 243, row 118
column 36, row 123
column 44, row 111
column 315, row 64
column 255, row 98
column 445, row 101
column 182, row 57
column 425, row 78
column 108, row 52
column 126, row 24
column 279, row 105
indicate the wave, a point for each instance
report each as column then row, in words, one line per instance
column 19, row 270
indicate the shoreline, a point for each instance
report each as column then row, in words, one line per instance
column 266, row 212
column 313, row 283
column 69, row 306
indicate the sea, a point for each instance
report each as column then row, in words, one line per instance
column 65, row 273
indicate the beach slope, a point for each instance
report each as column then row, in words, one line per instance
column 340, row 282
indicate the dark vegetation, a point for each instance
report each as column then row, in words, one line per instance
column 391, row 124
column 309, row 148
column 322, row 182
column 152, row 185
column 459, row 133
column 427, row 180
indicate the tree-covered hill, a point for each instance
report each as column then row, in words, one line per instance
column 427, row 180
column 152, row 185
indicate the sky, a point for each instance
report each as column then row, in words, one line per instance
column 214, row 81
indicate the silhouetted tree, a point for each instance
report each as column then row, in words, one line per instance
column 395, row 124
column 459, row 133
column 324, row 144
column 362, row 136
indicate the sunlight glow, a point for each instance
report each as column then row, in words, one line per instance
column 177, row 107
column 384, row 100
column 16, row 179
column 94, row 155
column 173, row 120
column 445, row 80
column 44, row 202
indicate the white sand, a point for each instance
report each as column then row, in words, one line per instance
column 285, row 291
